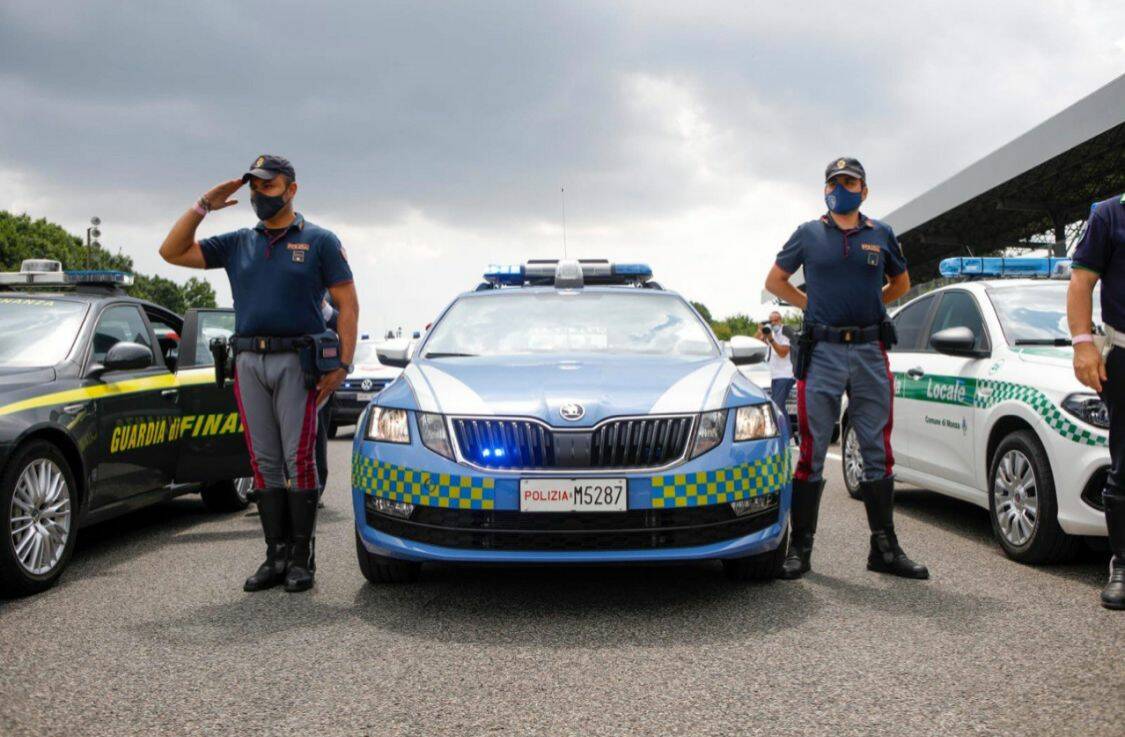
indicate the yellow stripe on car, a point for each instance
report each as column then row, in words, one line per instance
column 190, row 377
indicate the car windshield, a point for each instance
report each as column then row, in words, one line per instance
column 37, row 332
column 518, row 322
column 1036, row 315
column 365, row 353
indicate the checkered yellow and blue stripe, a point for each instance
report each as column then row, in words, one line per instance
column 402, row 484
column 723, row 485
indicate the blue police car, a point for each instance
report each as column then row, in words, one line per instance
column 570, row 412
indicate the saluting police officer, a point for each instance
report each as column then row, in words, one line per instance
column 1100, row 254
column 279, row 271
column 853, row 266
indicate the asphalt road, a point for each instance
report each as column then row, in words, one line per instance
column 149, row 632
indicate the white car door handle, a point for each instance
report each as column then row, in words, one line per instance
column 916, row 372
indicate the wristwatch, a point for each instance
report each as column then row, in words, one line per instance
column 348, row 368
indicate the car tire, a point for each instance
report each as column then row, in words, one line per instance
column 381, row 569
column 761, row 567
column 46, row 489
column 232, row 495
column 1026, row 524
column 851, row 462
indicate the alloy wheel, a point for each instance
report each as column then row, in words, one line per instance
column 39, row 518
column 1016, row 498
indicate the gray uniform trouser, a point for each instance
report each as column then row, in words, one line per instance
column 279, row 415
column 861, row 370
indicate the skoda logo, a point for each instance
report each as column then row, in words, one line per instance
column 572, row 411
column 366, row 385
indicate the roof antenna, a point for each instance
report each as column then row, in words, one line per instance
column 563, row 191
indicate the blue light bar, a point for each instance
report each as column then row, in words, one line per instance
column 999, row 266
column 510, row 275
column 119, row 278
column 639, row 271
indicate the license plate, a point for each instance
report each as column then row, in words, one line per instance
column 573, row 495
column 364, row 396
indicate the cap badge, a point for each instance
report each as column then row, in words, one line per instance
column 261, row 160
column 841, row 164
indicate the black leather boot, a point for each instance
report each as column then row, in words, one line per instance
column 302, row 520
column 806, row 509
column 274, row 512
column 886, row 556
column 1113, row 595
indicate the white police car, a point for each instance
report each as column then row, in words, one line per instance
column 987, row 408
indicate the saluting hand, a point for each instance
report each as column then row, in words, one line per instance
column 217, row 196
column 329, row 383
column 1089, row 368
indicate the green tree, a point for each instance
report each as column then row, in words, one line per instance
column 23, row 238
column 703, row 311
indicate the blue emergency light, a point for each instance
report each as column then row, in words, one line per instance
column 36, row 272
column 543, row 272
column 1000, row 266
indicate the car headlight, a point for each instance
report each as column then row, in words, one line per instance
column 388, row 425
column 434, row 435
column 710, row 431
column 1087, row 407
column 754, row 423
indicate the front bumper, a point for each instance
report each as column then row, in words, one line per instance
column 467, row 515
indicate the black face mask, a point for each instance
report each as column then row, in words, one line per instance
column 265, row 207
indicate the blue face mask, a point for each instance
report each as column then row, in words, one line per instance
column 841, row 201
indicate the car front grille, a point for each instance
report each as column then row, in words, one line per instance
column 648, row 442
column 636, row 529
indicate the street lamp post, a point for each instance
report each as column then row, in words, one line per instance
column 92, row 233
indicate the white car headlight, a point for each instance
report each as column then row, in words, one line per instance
column 388, row 425
column 712, row 425
column 754, row 423
column 434, row 436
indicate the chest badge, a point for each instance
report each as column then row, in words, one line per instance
column 872, row 259
column 298, row 257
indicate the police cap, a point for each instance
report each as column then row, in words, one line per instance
column 268, row 166
column 844, row 165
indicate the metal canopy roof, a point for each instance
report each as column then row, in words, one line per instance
column 1039, row 182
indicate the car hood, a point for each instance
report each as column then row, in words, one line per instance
column 1056, row 356
column 14, row 379
column 605, row 386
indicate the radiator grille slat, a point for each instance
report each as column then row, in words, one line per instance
column 525, row 444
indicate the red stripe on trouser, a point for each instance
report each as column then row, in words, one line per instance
column 804, row 462
column 259, row 482
column 888, row 453
column 306, row 458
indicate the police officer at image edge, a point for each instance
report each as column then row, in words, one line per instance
column 286, row 363
column 853, row 267
column 1099, row 362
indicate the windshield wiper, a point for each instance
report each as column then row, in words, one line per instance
column 1043, row 341
column 451, row 355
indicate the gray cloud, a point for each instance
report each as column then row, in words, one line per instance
column 658, row 117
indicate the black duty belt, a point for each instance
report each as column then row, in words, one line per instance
column 267, row 343
column 845, row 335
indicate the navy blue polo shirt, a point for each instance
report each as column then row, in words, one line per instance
column 278, row 280
column 844, row 270
column 1102, row 250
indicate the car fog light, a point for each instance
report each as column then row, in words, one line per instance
column 392, row 508
column 743, row 507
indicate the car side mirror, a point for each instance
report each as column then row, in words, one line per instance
column 124, row 356
column 394, row 353
column 745, row 350
column 959, row 341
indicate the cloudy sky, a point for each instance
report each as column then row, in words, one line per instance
column 434, row 138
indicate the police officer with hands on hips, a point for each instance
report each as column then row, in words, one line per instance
column 1100, row 255
column 286, row 363
column 853, row 266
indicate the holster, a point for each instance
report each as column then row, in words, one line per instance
column 804, row 348
column 220, row 350
column 319, row 356
column 887, row 333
